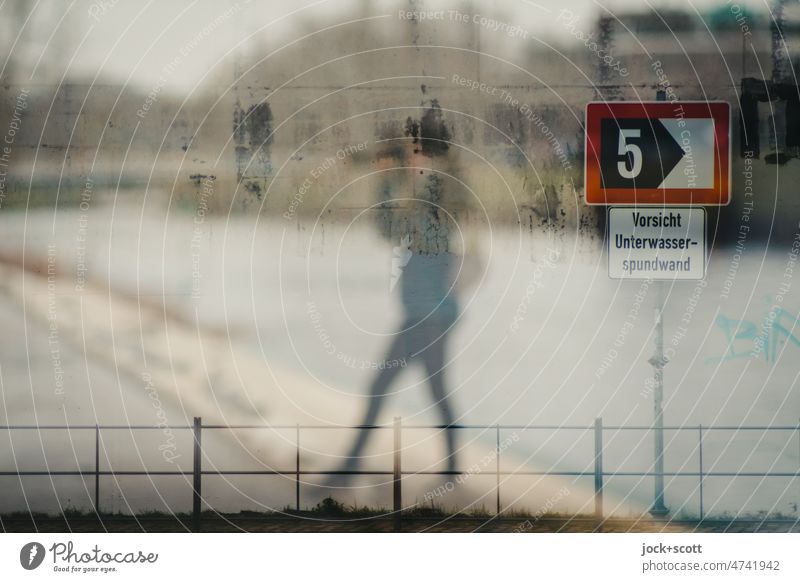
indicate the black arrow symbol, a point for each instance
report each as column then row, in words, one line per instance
column 660, row 153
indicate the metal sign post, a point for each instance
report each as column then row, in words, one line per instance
column 658, row 362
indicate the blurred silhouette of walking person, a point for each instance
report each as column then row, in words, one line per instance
column 426, row 265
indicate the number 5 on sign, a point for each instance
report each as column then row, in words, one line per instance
column 633, row 149
column 658, row 153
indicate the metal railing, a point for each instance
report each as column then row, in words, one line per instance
column 597, row 472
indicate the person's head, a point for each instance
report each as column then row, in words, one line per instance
column 430, row 133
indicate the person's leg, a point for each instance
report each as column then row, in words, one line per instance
column 377, row 392
column 434, row 365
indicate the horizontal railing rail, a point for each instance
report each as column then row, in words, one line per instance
column 597, row 472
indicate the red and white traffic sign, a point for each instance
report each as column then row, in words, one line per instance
column 658, row 153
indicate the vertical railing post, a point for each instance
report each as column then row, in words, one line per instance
column 598, row 468
column 397, row 493
column 297, row 470
column 497, row 467
column 700, row 448
column 197, row 476
column 97, row 469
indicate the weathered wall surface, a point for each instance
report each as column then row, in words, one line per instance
column 301, row 127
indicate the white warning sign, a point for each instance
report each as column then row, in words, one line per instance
column 656, row 243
